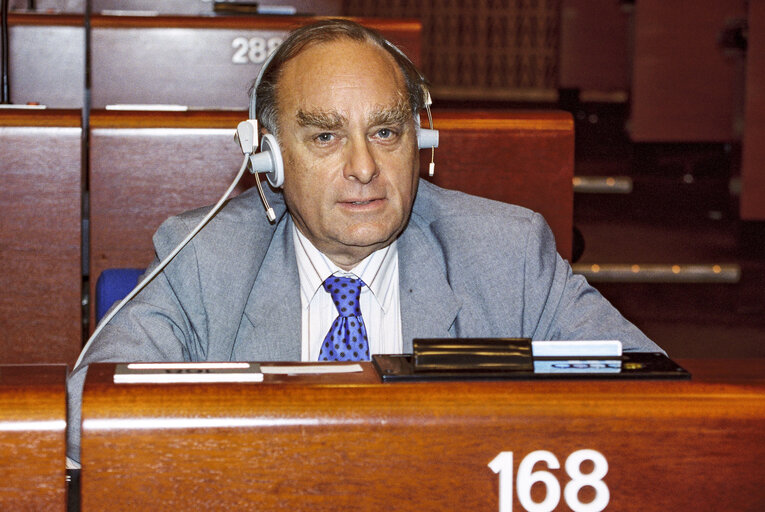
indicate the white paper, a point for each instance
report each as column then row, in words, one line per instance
column 585, row 348
column 312, row 368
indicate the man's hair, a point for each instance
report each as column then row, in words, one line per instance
column 325, row 31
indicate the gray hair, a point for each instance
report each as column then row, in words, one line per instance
column 325, row 31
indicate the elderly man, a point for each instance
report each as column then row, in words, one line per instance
column 355, row 230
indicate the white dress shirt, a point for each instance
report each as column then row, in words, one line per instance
column 379, row 301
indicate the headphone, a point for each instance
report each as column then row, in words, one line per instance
column 269, row 159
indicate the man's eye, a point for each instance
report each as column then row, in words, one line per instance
column 385, row 133
column 324, row 137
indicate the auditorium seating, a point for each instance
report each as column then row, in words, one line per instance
column 41, row 236
column 47, row 60
column 201, row 62
column 146, row 166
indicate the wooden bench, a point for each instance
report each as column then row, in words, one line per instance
column 47, row 60
column 40, row 239
column 33, row 437
column 198, row 61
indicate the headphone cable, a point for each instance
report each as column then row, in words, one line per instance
column 146, row 280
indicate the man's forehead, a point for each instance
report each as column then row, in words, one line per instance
column 329, row 83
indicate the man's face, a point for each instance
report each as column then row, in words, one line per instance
column 350, row 152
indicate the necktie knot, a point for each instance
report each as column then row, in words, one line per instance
column 345, row 293
column 347, row 337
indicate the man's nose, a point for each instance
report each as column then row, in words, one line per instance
column 360, row 164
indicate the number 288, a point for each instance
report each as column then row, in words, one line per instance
column 253, row 50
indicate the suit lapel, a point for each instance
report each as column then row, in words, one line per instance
column 273, row 308
column 428, row 304
column 429, row 307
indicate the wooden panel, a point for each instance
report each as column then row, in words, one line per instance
column 141, row 176
column 753, row 164
column 47, row 60
column 33, row 437
column 279, row 445
column 525, row 158
column 685, row 87
column 594, row 45
column 40, row 215
column 198, row 61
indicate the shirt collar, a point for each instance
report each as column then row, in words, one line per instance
column 314, row 267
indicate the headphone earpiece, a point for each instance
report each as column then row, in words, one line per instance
column 426, row 138
column 269, row 160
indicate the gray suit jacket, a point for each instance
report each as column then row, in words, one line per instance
column 468, row 267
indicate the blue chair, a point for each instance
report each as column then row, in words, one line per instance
column 112, row 286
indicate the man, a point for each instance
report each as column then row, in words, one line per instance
column 426, row 262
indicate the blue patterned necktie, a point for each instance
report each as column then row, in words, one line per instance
column 347, row 337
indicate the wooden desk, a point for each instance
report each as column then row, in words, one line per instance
column 32, row 437
column 349, row 442
column 47, row 59
column 40, row 236
column 198, row 61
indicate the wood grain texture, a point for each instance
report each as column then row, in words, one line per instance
column 47, row 61
column 404, row 33
column 40, row 237
column 198, row 61
column 70, row 20
column 254, row 22
column 32, row 437
column 524, row 158
column 354, row 444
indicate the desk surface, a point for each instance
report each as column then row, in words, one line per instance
column 334, row 442
column 32, row 437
